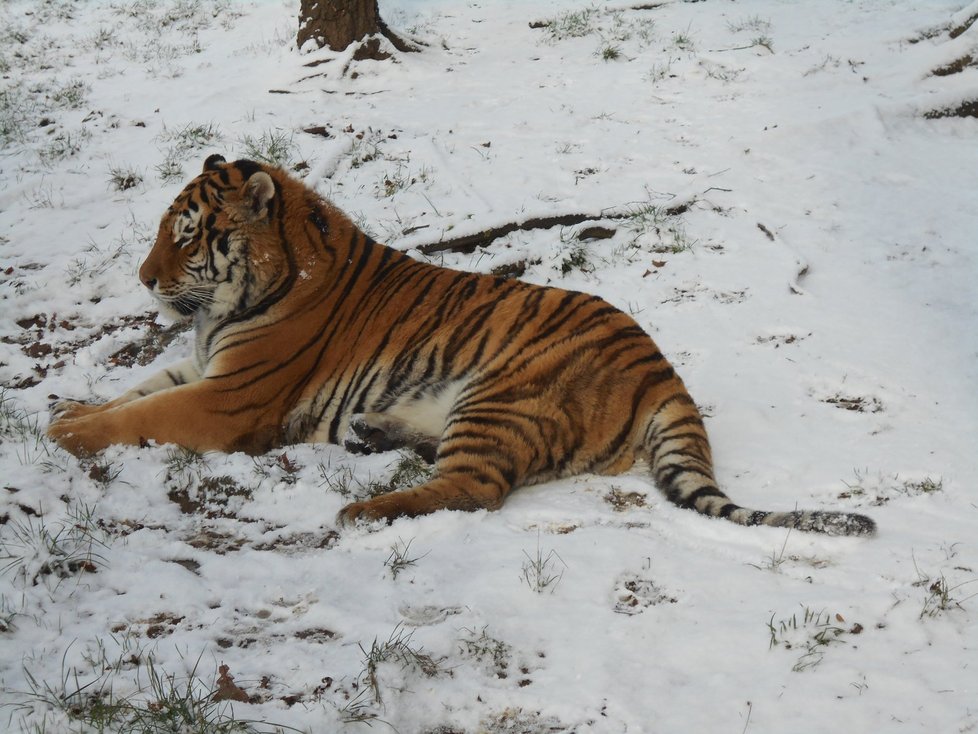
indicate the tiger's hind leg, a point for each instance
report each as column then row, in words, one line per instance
column 443, row 492
column 473, row 471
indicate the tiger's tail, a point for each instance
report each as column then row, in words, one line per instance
column 682, row 465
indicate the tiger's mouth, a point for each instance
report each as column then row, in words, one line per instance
column 184, row 308
column 185, row 304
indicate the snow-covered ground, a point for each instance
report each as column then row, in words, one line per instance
column 817, row 292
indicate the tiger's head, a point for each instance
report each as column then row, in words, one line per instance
column 200, row 259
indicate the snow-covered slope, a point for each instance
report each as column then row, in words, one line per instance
column 817, row 292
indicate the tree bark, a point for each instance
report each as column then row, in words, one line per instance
column 338, row 23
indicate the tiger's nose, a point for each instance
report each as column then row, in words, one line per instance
column 148, row 281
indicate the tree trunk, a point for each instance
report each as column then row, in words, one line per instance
column 338, row 23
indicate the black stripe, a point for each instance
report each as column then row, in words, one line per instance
column 667, row 475
column 247, row 168
column 727, row 510
column 691, row 499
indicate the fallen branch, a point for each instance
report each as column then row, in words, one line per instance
column 467, row 244
column 641, row 6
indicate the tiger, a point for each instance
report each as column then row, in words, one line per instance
column 308, row 330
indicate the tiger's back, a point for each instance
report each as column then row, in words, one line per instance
column 304, row 323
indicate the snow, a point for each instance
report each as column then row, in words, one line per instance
column 826, row 260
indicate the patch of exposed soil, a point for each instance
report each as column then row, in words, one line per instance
column 782, row 339
column 965, row 109
column 956, row 66
column 959, row 29
column 514, row 270
column 159, row 625
column 209, row 496
column 857, row 404
column 145, row 350
column 621, row 501
column 301, row 541
column 635, row 594
column 188, row 564
column 318, row 634
column 212, row 540
column 43, row 338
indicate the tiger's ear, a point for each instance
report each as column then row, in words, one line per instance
column 260, row 190
column 212, row 160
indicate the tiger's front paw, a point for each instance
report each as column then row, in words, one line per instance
column 70, row 409
column 80, row 436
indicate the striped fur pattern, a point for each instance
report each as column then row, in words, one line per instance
column 305, row 325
